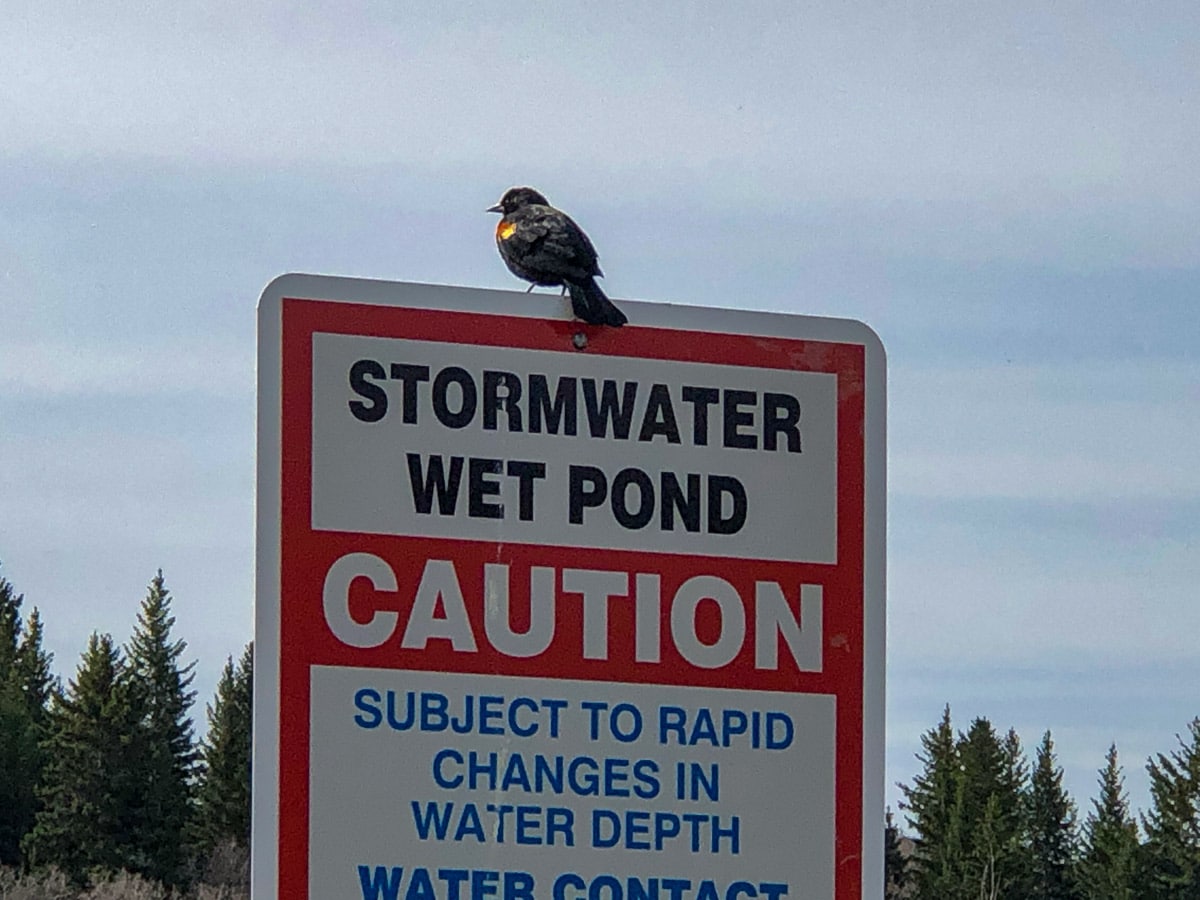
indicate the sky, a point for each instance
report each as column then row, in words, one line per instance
column 1007, row 193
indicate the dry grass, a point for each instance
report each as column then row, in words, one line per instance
column 226, row 877
column 52, row 885
column 124, row 886
column 228, row 867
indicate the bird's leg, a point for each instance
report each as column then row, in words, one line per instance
column 529, row 289
column 563, row 292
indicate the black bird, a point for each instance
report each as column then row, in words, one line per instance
column 543, row 245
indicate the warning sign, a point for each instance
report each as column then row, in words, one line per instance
column 562, row 622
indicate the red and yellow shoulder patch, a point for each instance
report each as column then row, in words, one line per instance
column 505, row 230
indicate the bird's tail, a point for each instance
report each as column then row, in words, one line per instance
column 589, row 304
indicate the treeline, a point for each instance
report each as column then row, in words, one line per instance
column 106, row 794
column 104, row 789
column 986, row 825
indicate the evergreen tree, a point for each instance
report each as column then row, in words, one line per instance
column 1107, row 869
column 10, row 625
column 895, row 876
column 1052, row 830
column 25, row 685
column 82, row 824
column 1172, row 851
column 20, row 762
column 1014, row 774
column 166, row 757
column 992, row 812
column 933, row 811
column 223, row 812
column 33, row 669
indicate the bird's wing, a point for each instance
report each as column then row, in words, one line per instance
column 586, row 255
column 556, row 244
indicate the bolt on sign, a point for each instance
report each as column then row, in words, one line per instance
column 547, row 610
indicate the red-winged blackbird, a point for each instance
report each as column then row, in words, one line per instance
column 541, row 244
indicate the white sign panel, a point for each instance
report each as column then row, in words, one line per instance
column 612, row 452
column 571, row 783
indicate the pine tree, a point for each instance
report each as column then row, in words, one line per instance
column 162, row 806
column 25, row 685
column 895, row 875
column 10, row 624
column 992, row 813
column 20, row 762
column 1107, row 869
column 223, row 812
column 83, row 824
column 1053, row 837
column 1172, row 851
column 932, row 808
column 33, row 669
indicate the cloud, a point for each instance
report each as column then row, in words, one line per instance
column 1001, row 583
column 180, row 367
column 1042, row 110
column 1089, row 431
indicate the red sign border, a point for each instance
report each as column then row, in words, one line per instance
column 302, row 317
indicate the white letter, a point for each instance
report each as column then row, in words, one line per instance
column 596, row 588
column 336, row 598
column 683, row 621
column 773, row 617
column 496, row 608
column 439, row 580
column 648, row 619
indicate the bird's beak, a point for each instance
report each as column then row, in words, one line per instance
column 495, row 208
